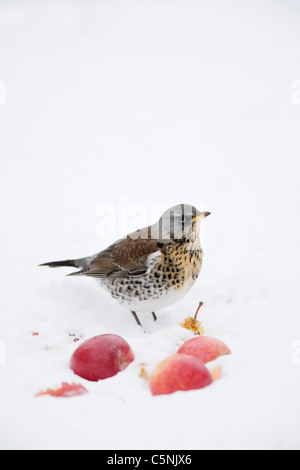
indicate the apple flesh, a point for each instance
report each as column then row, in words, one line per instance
column 179, row 372
column 101, row 357
column 204, row 348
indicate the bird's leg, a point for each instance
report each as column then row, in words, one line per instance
column 136, row 319
column 154, row 316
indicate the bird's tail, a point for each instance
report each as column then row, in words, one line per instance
column 75, row 263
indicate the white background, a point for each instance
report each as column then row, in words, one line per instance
column 137, row 106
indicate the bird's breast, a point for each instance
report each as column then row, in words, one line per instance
column 178, row 264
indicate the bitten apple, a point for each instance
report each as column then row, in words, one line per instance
column 179, row 372
column 204, row 348
column 192, row 324
column 101, row 357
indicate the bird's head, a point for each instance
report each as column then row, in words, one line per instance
column 180, row 222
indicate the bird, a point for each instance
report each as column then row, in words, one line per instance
column 152, row 267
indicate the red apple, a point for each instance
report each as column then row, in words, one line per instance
column 179, row 372
column 204, row 348
column 101, row 357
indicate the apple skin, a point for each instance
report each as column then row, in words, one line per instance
column 179, row 372
column 204, row 348
column 65, row 390
column 101, row 357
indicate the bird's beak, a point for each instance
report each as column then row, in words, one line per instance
column 200, row 216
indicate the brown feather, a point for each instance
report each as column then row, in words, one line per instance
column 125, row 257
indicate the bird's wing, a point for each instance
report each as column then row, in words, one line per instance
column 126, row 257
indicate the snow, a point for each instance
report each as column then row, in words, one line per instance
column 113, row 112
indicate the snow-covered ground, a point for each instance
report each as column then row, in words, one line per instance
column 126, row 108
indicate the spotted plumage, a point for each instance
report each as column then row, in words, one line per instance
column 151, row 268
